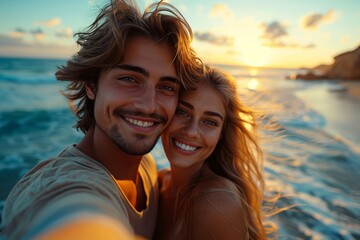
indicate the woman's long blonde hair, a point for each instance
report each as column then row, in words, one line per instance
column 237, row 157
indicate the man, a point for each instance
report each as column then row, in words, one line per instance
column 124, row 84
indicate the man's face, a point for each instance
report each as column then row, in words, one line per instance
column 136, row 99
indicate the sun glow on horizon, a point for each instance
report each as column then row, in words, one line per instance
column 256, row 57
column 254, row 71
column 226, row 32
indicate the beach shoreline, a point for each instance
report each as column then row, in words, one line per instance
column 341, row 109
column 353, row 88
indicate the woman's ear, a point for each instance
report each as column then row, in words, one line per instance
column 90, row 91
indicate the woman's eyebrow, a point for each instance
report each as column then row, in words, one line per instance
column 210, row 113
column 186, row 104
column 214, row 114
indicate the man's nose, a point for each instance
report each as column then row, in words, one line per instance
column 146, row 103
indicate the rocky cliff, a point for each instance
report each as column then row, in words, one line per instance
column 346, row 66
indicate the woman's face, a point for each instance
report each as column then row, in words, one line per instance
column 196, row 127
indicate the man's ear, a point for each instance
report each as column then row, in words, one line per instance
column 90, row 91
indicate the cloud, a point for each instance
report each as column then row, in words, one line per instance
column 20, row 30
column 213, row 39
column 64, row 33
column 36, row 31
column 18, row 33
column 10, row 46
column 7, row 41
column 275, row 35
column 283, row 44
column 273, row 30
column 221, row 10
column 38, row 34
column 49, row 23
column 313, row 20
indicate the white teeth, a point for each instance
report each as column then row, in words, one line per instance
column 185, row 147
column 140, row 123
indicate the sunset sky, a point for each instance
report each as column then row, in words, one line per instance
column 278, row 33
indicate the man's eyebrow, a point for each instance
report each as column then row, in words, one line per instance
column 210, row 113
column 170, row 79
column 145, row 72
column 133, row 69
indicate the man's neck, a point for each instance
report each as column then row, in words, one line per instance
column 121, row 165
column 134, row 192
column 124, row 167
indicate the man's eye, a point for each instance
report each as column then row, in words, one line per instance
column 169, row 90
column 127, row 79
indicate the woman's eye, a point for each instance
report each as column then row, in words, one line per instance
column 181, row 112
column 211, row 123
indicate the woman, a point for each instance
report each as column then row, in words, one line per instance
column 215, row 187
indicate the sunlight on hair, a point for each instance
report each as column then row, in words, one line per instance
column 247, row 121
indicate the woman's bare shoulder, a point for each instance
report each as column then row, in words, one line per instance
column 213, row 184
column 218, row 206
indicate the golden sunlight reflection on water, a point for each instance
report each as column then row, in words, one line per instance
column 253, row 84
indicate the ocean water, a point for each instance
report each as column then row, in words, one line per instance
column 313, row 162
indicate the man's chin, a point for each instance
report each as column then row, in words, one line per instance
column 134, row 144
column 138, row 149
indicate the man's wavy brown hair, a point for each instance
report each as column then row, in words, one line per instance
column 102, row 47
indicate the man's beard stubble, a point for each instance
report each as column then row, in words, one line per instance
column 128, row 147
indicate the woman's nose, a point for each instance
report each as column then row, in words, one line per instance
column 191, row 130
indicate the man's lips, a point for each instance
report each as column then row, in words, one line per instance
column 140, row 119
column 139, row 123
